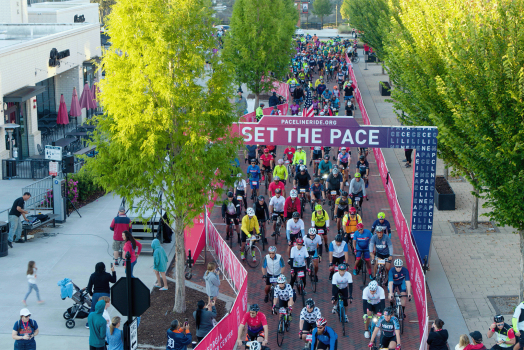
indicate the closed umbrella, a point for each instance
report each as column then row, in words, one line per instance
column 62, row 117
column 94, row 91
column 75, row 110
column 86, row 98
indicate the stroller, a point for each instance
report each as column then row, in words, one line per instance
column 81, row 307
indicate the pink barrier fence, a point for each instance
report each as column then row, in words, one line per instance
column 418, row 280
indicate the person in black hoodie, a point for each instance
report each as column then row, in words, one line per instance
column 438, row 337
column 273, row 100
column 98, row 285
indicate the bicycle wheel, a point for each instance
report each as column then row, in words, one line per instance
column 303, row 293
column 280, row 332
column 266, row 183
column 401, row 318
column 332, row 211
column 263, row 238
column 363, row 271
column 230, row 236
column 350, row 243
column 342, row 314
column 253, row 256
column 277, row 231
column 302, row 207
column 313, row 280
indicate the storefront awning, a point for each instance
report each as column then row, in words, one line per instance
column 24, row 93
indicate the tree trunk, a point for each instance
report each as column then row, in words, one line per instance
column 180, row 261
column 475, row 212
column 257, row 100
column 446, row 171
column 521, row 289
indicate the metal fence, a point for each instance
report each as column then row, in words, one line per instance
column 311, row 26
column 26, row 169
column 41, row 195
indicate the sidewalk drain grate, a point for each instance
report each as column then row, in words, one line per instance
column 463, row 227
column 504, row 305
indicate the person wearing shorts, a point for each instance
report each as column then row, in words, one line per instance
column 119, row 224
column 308, row 318
column 373, row 302
column 256, row 323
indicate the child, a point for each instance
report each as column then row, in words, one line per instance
column 31, row 280
column 159, row 264
column 212, row 281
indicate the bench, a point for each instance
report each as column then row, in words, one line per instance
column 86, row 150
column 29, row 227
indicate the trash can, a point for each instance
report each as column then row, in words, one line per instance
column 4, row 233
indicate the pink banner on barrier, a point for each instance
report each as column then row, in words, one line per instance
column 194, row 237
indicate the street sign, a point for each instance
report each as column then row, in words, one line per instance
column 53, row 152
column 53, row 168
column 141, row 296
column 133, row 334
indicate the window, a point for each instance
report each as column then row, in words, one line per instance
column 46, row 101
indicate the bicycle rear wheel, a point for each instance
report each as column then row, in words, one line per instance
column 313, row 280
column 401, row 318
column 280, row 332
column 263, row 238
column 342, row 314
column 253, row 256
column 230, row 235
column 363, row 271
column 303, row 292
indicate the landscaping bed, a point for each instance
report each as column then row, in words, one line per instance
column 442, row 185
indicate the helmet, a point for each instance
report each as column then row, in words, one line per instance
column 302, row 168
column 398, row 263
column 310, row 303
column 335, row 170
column 342, row 267
column 498, row 318
column 254, row 345
column 239, row 175
column 321, row 112
column 343, row 194
column 318, row 207
column 299, row 147
column 250, row 211
column 280, row 161
column 266, row 150
column 260, row 198
column 373, row 286
column 316, row 180
column 299, row 241
column 278, row 191
column 352, row 210
column 380, row 229
column 321, row 322
column 277, row 178
column 254, row 307
column 357, row 174
column 320, row 77
column 281, row 279
column 381, row 216
column 360, row 225
column 326, row 156
column 301, row 161
column 312, row 231
column 296, row 215
column 362, row 157
column 272, row 249
column 389, row 311
column 293, row 194
column 338, row 238
column 230, row 194
column 343, row 148
column 335, row 87
column 253, row 160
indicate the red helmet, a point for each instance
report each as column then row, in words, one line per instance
column 360, row 225
column 266, row 150
column 352, row 210
column 299, row 241
column 321, row 322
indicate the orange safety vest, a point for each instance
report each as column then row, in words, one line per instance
column 351, row 225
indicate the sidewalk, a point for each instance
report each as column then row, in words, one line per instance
column 460, row 292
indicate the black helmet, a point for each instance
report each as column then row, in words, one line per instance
column 389, row 311
column 343, row 194
column 261, row 198
column 362, row 157
column 296, row 215
column 326, row 156
column 310, row 303
column 338, row 238
column 278, row 190
column 498, row 318
column 316, row 180
column 254, row 307
column 230, row 194
column 253, row 160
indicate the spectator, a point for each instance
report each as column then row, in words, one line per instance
column 408, row 153
column 477, row 342
column 97, row 327
column 212, row 281
column 463, row 342
column 115, row 337
column 98, row 285
column 273, row 100
column 159, row 264
column 119, row 224
column 15, row 226
column 281, row 100
column 178, row 338
column 130, row 246
column 106, row 316
column 204, row 316
column 24, row 331
column 31, row 281
column 167, row 231
column 242, row 103
column 438, row 337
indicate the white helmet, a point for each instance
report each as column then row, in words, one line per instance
column 239, row 175
column 250, row 211
column 312, row 231
column 254, row 345
column 398, row 263
column 293, row 194
column 281, row 279
column 373, row 286
column 302, row 168
column 280, row 161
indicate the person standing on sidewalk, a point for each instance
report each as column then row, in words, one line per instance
column 24, row 331
column 212, row 282
column 98, row 285
column 130, row 246
column 438, row 337
column 476, row 336
column 31, row 281
column 204, row 316
column 159, row 264
column 119, row 224
column 97, row 327
column 114, row 336
column 15, row 226
column 408, row 152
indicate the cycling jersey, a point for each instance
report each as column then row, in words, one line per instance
column 334, row 182
column 266, row 159
column 325, row 167
column 503, row 335
column 273, row 186
column 362, row 167
column 254, row 324
column 261, row 211
column 320, row 88
column 300, row 154
column 383, row 245
column 254, row 172
column 311, row 244
column 289, row 156
column 280, row 171
column 277, row 203
column 340, row 206
column 342, row 281
column 320, row 220
column 317, row 190
column 327, row 95
column 298, row 257
column 250, row 224
column 388, row 327
column 385, row 224
column 240, row 185
column 284, row 294
column 294, row 228
column 343, row 157
column 340, row 77
column 291, row 206
column 310, row 317
column 518, row 318
column 274, row 265
column 356, row 187
column 338, row 250
column 335, row 103
column 303, row 179
column 328, row 337
column 373, row 299
column 231, row 208
column 362, row 240
column 398, row 277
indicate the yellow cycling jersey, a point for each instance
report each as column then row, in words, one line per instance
column 337, row 202
column 292, row 81
column 298, row 156
column 317, row 83
column 281, row 172
column 248, row 225
column 319, row 220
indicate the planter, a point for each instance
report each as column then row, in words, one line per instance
column 384, row 88
column 372, row 58
column 446, row 199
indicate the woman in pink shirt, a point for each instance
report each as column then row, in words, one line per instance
column 130, row 246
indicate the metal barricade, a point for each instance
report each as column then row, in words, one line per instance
column 26, row 169
column 41, row 195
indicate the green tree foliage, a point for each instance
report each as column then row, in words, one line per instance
column 322, row 8
column 166, row 116
column 261, row 42
column 104, row 8
column 345, row 10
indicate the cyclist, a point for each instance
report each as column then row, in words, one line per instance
column 291, row 205
column 302, row 181
column 300, row 154
column 338, row 253
column 324, row 337
column 381, row 221
column 308, row 318
column 342, row 283
column 361, row 240
column 276, row 208
column 320, row 80
column 240, row 188
column 277, row 184
column 231, row 211
column 334, row 181
column 373, row 302
column 334, row 104
column 280, row 171
column 284, row 295
column 299, row 261
column 253, row 172
column 342, row 206
column 320, row 89
column 250, row 152
column 326, row 96
column 289, row 154
column 390, row 331
column 343, row 159
column 383, row 246
column 505, row 336
column 350, row 222
column 349, row 109
column 261, row 212
column 398, row 279
column 294, row 108
column 294, row 230
column 320, row 221
column 518, row 324
column 272, row 267
column 363, row 168
column 256, row 326
column 313, row 244
column 324, row 168
column 292, row 82
column 317, row 192
column 267, row 163
column 336, row 92
column 249, row 224
column 317, row 152
column 357, row 189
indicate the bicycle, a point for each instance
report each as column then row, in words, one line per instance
column 248, row 345
column 229, row 231
column 252, row 252
column 240, row 200
column 349, row 237
column 254, row 190
column 361, row 268
column 302, row 196
column 273, row 281
column 283, row 325
column 300, row 286
column 381, row 276
column 357, row 202
column 371, row 328
column 399, row 311
column 316, row 162
column 332, row 199
column 277, row 227
column 188, row 273
column 313, row 275
column 341, row 312
column 262, row 233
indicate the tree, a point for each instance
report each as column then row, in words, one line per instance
column 322, row 8
column 104, row 8
column 166, row 118
column 261, row 42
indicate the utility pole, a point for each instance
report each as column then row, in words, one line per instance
column 336, row 15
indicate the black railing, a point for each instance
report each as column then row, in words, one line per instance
column 26, row 169
column 311, row 26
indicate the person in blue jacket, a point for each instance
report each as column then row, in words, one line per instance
column 381, row 221
column 324, row 336
column 178, row 338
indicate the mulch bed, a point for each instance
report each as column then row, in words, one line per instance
column 96, row 195
column 465, row 227
column 442, row 185
column 157, row 319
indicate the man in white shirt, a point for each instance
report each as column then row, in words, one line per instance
column 342, row 283
column 276, row 207
column 373, row 302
